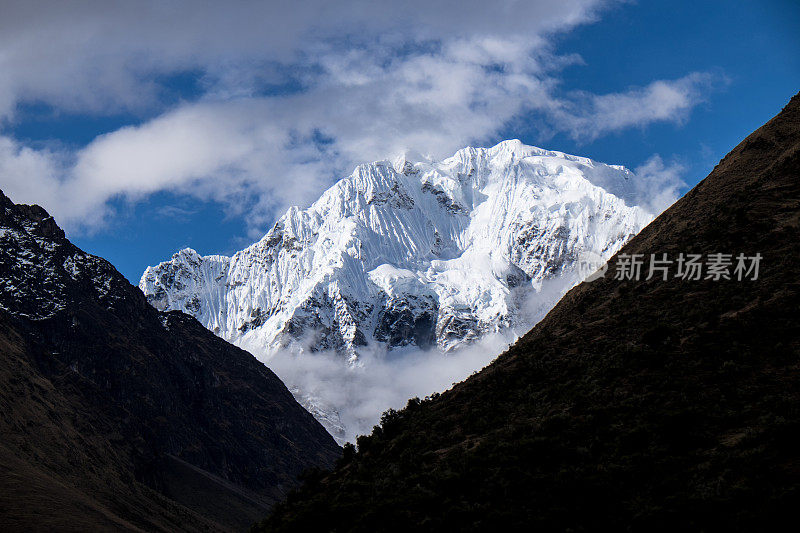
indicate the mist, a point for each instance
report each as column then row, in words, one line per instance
column 349, row 398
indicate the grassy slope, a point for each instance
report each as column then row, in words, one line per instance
column 60, row 467
column 115, row 416
column 646, row 405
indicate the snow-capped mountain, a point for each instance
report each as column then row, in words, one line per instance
column 406, row 256
column 413, row 252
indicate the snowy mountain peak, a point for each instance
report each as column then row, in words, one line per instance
column 406, row 160
column 411, row 252
column 407, row 255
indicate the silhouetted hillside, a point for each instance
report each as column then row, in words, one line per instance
column 116, row 416
column 643, row 405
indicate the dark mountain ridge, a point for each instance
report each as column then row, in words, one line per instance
column 117, row 416
column 644, row 405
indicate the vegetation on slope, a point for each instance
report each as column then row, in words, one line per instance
column 647, row 405
column 116, row 416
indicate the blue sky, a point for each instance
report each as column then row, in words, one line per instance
column 144, row 132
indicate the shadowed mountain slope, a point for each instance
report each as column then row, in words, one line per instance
column 116, row 416
column 643, row 405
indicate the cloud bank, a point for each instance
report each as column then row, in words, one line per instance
column 287, row 100
column 353, row 397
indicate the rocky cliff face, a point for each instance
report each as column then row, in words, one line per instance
column 411, row 253
column 125, row 416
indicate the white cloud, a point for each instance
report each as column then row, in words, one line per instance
column 588, row 116
column 100, row 54
column 375, row 80
column 658, row 185
column 379, row 381
column 32, row 176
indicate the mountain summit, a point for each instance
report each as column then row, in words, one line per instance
column 412, row 253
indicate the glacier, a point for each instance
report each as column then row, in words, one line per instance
column 410, row 255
